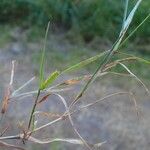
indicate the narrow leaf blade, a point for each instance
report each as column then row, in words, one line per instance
column 84, row 63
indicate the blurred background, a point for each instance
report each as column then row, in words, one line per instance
column 78, row 30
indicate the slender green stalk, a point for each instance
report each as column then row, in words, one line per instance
column 33, row 109
column 41, row 76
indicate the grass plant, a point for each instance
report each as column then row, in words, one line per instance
column 48, row 87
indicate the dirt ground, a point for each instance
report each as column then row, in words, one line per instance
column 114, row 120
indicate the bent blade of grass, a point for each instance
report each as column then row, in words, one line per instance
column 128, row 70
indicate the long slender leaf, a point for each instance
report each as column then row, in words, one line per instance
column 41, row 79
column 84, row 63
column 43, row 56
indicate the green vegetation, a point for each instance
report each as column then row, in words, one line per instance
column 88, row 18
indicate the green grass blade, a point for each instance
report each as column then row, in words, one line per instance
column 41, row 79
column 84, row 63
column 43, row 56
